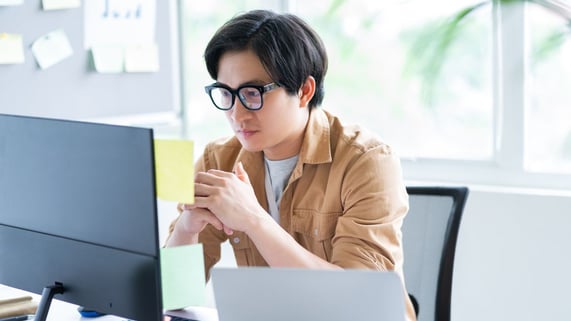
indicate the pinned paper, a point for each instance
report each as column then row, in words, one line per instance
column 51, row 48
column 117, row 58
column 11, row 49
column 11, row 2
column 60, row 4
column 121, row 22
column 142, row 58
column 182, row 276
column 174, row 166
column 108, row 59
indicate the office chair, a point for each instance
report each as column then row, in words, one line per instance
column 430, row 231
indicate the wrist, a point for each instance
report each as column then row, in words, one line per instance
column 257, row 222
column 181, row 235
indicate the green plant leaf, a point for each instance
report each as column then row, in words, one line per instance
column 429, row 52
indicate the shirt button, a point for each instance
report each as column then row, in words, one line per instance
column 236, row 240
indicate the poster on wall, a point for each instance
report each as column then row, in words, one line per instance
column 119, row 22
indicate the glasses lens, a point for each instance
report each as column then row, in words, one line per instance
column 251, row 97
column 222, row 97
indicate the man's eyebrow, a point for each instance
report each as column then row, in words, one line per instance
column 255, row 82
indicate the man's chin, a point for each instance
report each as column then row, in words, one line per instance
column 249, row 146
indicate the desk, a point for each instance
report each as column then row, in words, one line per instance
column 59, row 310
column 63, row 311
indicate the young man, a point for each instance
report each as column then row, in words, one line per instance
column 293, row 187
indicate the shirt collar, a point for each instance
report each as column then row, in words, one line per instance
column 316, row 146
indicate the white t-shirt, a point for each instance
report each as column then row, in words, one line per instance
column 277, row 176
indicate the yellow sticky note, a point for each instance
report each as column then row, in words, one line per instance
column 182, row 276
column 11, row 49
column 174, row 166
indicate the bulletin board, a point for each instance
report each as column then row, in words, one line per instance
column 72, row 88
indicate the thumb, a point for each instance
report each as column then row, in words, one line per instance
column 241, row 173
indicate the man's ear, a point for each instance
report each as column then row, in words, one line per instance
column 306, row 91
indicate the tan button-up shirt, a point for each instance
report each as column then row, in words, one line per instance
column 345, row 200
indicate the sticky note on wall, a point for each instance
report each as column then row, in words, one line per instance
column 11, row 2
column 182, row 276
column 51, row 48
column 60, row 4
column 11, row 49
column 108, row 59
column 174, row 166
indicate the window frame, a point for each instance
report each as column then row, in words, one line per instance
column 510, row 99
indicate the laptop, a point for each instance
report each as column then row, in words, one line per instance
column 286, row 294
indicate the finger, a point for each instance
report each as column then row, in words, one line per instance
column 201, row 202
column 209, row 218
column 241, row 173
column 217, row 224
column 211, row 177
column 201, row 189
column 228, row 230
column 219, row 173
column 206, row 178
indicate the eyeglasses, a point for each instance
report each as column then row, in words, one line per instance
column 250, row 96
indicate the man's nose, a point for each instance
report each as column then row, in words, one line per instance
column 239, row 111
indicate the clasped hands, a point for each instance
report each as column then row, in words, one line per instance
column 225, row 200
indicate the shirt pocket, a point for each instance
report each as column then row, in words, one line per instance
column 315, row 231
column 242, row 249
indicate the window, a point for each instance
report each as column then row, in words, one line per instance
column 379, row 79
column 548, row 112
column 469, row 121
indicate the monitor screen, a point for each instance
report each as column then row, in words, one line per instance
column 78, row 211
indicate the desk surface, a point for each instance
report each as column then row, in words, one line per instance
column 59, row 310
column 63, row 311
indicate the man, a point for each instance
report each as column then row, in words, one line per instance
column 293, row 187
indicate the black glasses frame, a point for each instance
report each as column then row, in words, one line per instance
column 236, row 93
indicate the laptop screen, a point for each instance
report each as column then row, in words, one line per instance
column 261, row 294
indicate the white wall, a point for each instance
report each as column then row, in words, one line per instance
column 512, row 260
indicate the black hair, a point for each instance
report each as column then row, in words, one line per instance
column 288, row 48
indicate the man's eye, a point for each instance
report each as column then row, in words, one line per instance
column 252, row 93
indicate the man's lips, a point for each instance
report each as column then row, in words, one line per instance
column 246, row 132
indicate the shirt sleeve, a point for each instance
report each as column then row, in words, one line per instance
column 375, row 202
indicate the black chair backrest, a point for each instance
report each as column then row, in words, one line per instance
column 430, row 231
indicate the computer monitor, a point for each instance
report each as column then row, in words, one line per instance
column 78, row 215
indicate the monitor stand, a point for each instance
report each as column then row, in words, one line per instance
column 47, row 296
